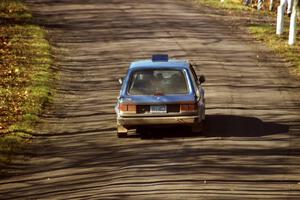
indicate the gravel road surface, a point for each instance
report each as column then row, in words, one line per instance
column 250, row 149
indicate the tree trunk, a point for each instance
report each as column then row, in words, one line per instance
column 260, row 4
column 293, row 24
column 280, row 17
column 271, row 5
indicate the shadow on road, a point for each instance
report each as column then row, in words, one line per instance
column 220, row 126
column 239, row 126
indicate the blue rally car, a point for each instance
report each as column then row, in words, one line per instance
column 160, row 91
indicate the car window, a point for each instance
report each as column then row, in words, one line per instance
column 194, row 74
column 195, row 81
column 158, row 81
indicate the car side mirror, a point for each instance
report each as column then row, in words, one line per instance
column 201, row 79
column 121, row 81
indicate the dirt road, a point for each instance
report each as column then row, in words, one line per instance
column 250, row 150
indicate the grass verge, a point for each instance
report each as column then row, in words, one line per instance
column 24, row 77
column 13, row 9
column 262, row 31
column 228, row 5
column 278, row 44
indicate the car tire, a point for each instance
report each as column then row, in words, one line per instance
column 121, row 131
column 197, row 128
column 144, row 132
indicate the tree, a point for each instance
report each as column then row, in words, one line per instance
column 293, row 24
column 284, row 4
column 260, row 4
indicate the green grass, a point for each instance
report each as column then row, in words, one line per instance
column 226, row 5
column 13, row 9
column 237, row 7
column 278, row 44
column 25, row 77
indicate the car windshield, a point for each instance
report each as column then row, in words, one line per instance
column 158, row 82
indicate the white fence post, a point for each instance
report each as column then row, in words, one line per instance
column 293, row 24
column 280, row 17
column 289, row 6
column 247, row 2
column 271, row 5
column 260, row 4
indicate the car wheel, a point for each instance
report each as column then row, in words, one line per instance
column 197, row 128
column 121, row 131
column 144, row 132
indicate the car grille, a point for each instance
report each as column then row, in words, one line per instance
column 171, row 108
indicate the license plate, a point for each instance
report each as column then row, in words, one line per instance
column 158, row 109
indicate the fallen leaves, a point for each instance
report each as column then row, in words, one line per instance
column 11, row 9
column 15, row 70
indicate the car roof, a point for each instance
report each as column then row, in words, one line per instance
column 173, row 63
